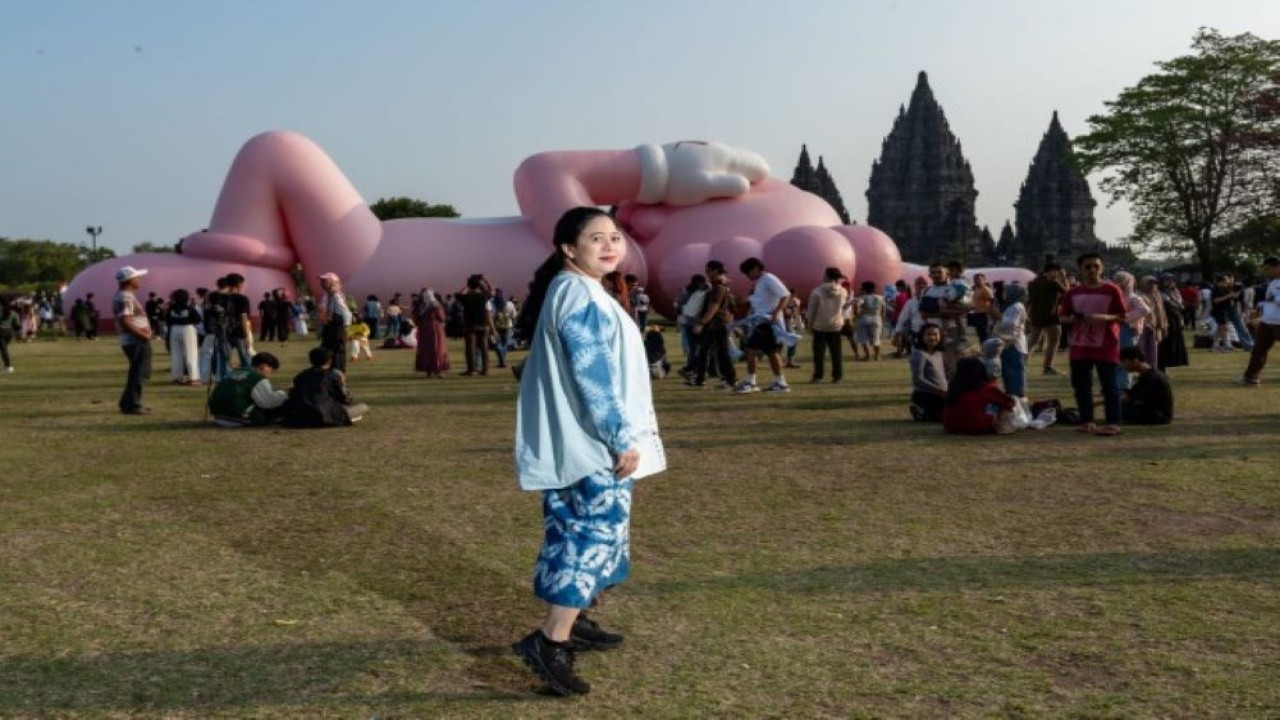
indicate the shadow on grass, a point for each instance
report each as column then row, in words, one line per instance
column 317, row 675
column 477, row 608
column 949, row 574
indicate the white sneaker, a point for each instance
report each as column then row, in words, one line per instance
column 777, row 386
column 9, row 369
column 746, row 386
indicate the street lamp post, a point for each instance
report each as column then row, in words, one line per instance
column 94, row 232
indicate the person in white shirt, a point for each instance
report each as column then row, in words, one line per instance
column 1268, row 325
column 768, row 301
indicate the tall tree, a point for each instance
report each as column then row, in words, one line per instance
column 1194, row 147
column 395, row 208
column 26, row 262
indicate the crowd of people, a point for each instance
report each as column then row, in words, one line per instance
column 586, row 427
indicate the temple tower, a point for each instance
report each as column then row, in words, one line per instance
column 1055, row 206
column 819, row 182
column 921, row 191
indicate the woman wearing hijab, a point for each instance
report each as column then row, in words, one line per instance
column 433, row 347
column 1173, row 347
column 1137, row 313
column 1012, row 329
column 1157, row 324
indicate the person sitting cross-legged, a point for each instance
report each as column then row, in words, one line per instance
column 319, row 396
column 1149, row 401
column 245, row 396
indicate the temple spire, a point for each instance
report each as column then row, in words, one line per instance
column 922, row 191
column 1055, row 205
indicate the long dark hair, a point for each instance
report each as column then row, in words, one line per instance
column 970, row 375
column 568, row 228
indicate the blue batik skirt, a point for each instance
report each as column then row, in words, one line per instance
column 586, row 545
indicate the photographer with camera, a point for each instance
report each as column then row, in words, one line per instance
column 214, row 350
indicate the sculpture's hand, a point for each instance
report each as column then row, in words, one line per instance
column 692, row 172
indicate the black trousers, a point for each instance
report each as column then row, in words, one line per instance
column 824, row 343
column 713, row 343
column 139, row 356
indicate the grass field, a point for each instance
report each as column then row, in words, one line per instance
column 806, row 555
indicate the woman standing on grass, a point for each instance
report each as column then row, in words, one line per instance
column 585, row 429
column 432, row 356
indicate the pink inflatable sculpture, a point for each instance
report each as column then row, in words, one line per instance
column 285, row 202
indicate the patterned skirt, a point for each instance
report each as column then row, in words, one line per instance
column 586, row 545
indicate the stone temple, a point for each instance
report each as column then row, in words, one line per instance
column 819, row 182
column 1055, row 207
column 922, row 194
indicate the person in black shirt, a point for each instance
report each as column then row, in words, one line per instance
column 1149, row 401
column 319, row 396
column 477, row 323
column 239, row 331
column 267, row 325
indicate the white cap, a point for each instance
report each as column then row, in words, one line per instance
column 129, row 272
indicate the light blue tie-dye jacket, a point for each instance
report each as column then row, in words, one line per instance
column 584, row 392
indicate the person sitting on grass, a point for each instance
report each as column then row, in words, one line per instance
column 1149, row 401
column 319, row 396
column 975, row 403
column 928, row 375
column 245, row 396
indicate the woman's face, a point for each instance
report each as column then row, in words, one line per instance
column 599, row 249
column 931, row 337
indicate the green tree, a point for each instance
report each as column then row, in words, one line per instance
column 39, row 262
column 395, row 208
column 1194, row 147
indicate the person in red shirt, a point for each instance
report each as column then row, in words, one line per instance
column 1190, row 304
column 975, row 403
column 1094, row 310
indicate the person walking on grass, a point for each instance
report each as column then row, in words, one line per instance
column 585, row 430
column 826, row 318
column 768, row 300
column 1268, row 329
column 9, row 325
column 1044, row 295
column 1095, row 310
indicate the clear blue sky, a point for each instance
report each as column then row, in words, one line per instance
column 126, row 114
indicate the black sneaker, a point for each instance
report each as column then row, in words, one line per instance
column 917, row 413
column 553, row 662
column 587, row 635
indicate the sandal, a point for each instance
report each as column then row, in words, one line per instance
column 1087, row 428
column 1108, row 431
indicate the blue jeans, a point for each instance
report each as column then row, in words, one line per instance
column 502, row 345
column 1242, row 332
column 1082, row 383
column 1127, row 339
column 1013, row 370
column 242, row 351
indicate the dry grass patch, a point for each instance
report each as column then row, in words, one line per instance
column 808, row 555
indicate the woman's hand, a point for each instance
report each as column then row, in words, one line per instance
column 625, row 465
